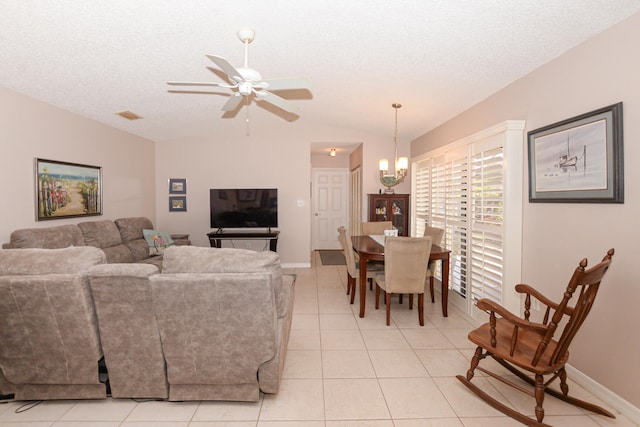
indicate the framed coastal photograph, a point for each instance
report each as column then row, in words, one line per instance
column 66, row 190
column 578, row 160
column 177, row 204
column 177, row 186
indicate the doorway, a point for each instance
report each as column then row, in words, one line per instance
column 330, row 206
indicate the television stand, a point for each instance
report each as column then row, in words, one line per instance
column 216, row 237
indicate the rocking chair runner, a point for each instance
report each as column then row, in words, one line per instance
column 523, row 346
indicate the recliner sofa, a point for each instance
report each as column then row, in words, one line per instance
column 222, row 323
column 214, row 325
column 121, row 240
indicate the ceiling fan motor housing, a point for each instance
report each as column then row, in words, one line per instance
column 245, row 88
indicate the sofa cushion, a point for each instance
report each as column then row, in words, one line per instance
column 131, row 228
column 101, row 234
column 56, row 237
column 34, row 261
column 133, row 237
column 157, row 241
column 106, row 236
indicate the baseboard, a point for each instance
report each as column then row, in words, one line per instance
column 296, row 265
column 604, row 394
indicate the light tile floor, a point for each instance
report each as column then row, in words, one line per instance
column 340, row 371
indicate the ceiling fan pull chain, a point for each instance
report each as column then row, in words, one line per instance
column 247, row 119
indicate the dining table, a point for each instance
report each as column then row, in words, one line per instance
column 369, row 249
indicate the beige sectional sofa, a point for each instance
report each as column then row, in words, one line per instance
column 121, row 240
column 213, row 325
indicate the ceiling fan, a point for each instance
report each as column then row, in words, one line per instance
column 248, row 84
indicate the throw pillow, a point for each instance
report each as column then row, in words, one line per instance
column 158, row 241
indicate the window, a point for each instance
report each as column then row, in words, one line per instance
column 461, row 188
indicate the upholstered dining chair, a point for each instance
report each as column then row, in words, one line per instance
column 353, row 267
column 376, row 227
column 405, row 271
column 436, row 235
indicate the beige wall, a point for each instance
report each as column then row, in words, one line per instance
column 326, row 161
column 600, row 72
column 136, row 170
column 30, row 129
column 277, row 156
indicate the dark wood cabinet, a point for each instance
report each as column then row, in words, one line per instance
column 391, row 207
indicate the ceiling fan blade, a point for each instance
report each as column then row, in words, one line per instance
column 279, row 102
column 200, row 84
column 224, row 65
column 233, row 102
column 286, row 83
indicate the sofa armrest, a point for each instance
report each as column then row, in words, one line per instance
column 181, row 239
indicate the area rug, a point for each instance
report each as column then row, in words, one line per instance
column 332, row 258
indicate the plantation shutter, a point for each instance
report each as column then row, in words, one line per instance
column 421, row 199
column 463, row 188
column 456, row 217
column 487, row 186
column 438, row 191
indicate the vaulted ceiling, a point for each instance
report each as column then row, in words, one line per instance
column 436, row 57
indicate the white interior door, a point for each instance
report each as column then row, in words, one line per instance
column 330, row 206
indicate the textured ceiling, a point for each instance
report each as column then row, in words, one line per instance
column 436, row 57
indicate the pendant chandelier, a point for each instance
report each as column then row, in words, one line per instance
column 401, row 164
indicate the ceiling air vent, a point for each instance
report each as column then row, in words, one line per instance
column 129, row 115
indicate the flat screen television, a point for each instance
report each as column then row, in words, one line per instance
column 244, row 207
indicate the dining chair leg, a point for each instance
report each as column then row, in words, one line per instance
column 421, row 309
column 431, row 289
column 388, row 300
column 348, row 283
column 353, row 290
column 400, row 298
column 377, row 296
column 410, row 301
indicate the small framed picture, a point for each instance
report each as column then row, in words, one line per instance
column 177, row 204
column 177, row 186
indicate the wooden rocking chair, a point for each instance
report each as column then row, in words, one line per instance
column 525, row 347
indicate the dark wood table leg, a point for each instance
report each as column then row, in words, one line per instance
column 363, row 284
column 445, row 285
